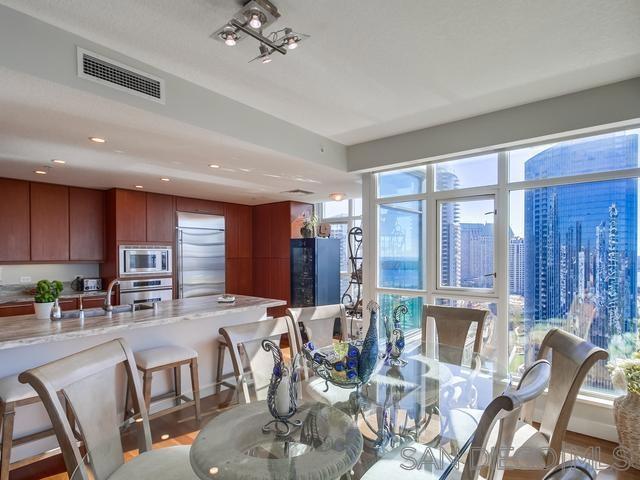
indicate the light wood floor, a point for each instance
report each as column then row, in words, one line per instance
column 182, row 429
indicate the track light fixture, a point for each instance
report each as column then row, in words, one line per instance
column 251, row 20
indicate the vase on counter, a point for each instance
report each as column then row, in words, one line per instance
column 43, row 310
column 626, row 411
column 306, row 231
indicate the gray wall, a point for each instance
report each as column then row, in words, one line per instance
column 617, row 102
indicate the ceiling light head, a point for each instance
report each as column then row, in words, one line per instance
column 337, row 196
column 255, row 18
column 264, row 54
column 97, row 140
column 57, row 161
column 230, row 37
column 213, row 165
column 139, row 186
column 290, row 39
column 40, row 172
column 165, row 179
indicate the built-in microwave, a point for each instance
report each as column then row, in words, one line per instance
column 144, row 260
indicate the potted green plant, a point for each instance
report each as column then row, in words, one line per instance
column 625, row 376
column 308, row 229
column 47, row 292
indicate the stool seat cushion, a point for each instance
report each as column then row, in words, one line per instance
column 168, row 463
column 159, row 356
column 11, row 390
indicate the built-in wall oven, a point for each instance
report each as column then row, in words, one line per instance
column 144, row 260
column 148, row 290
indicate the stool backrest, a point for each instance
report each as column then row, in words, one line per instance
column 571, row 359
column 501, row 416
column 318, row 322
column 452, row 328
column 247, row 339
column 90, row 382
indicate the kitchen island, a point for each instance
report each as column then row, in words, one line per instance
column 26, row 342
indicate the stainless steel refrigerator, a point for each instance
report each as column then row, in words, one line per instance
column 200, row 255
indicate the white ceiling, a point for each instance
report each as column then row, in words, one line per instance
column 374, row 68
column 41, row 121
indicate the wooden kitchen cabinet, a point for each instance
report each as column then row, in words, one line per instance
column 14, row 221
column 239, row 276
column 238, row 230
column 49, row 222
column 86, row 224
column 196, row 205
column 130, row 215
column 160, row 218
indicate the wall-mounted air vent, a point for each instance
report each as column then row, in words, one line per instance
column 297, row 191
column 105, row 71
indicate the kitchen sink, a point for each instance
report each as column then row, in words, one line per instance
column 100, row 312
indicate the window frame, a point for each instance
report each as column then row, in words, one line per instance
column 501, row 193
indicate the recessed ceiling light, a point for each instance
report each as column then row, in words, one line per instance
column 97, row 139
column 337, row 196
column 244, row 169
column 272, row 175
column 59, row 162
column 213, row 165
column 165, row 179
column 40, row 172
column 139, row 186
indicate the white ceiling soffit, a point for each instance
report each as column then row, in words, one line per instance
column 42, row 120
column 375, row 68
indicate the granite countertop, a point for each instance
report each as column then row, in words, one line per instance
column 22, row 330
column 18, row 293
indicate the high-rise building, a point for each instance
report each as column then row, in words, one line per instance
column 580, row 244
column 476, row 255
column 516, row 266
column 450, row 273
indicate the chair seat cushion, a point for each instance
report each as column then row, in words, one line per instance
column 171, row 463
column 11, row 390
column 160, row 356
column 529, row 449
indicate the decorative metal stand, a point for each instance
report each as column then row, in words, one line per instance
column 281, row 424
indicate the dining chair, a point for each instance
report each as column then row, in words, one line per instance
column 452, row 325
column 491, row 430
column 252, row 365
column 318, row 323
column 88, row 382
column 538, row 449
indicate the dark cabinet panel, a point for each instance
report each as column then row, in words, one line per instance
column 238, row 230
column 86, row 224
column 160, row 218
column 239, row 276
column 131, row 216
column 196, row 205
column 262, row 231
column 49, row 222
column 14, row 221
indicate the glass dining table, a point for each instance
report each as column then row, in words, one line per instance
column 417, row 419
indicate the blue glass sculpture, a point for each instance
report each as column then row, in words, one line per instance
column 369, row 353
column 395, row 336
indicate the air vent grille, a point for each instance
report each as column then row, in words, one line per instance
column 297, row 191
column 95, row 67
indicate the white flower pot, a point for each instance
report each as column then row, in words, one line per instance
column 43, row 310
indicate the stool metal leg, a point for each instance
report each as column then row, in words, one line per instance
column 8, row 413
column 195, row 385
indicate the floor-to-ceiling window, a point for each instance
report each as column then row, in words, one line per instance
column 343, row 215
column 543, row 236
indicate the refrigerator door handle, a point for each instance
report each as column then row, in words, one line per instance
column 180, row 267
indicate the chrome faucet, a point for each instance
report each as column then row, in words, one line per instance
column 107, row 301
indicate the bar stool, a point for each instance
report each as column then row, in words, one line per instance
column 220, row 375
column 14, row 394
column 165, row 358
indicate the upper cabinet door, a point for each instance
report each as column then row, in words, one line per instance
column 239, row 230
column 86, row 224
column 131, row 216
column 49, row 222
column 14, row 221
column 196, row 205
column 160, row 218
